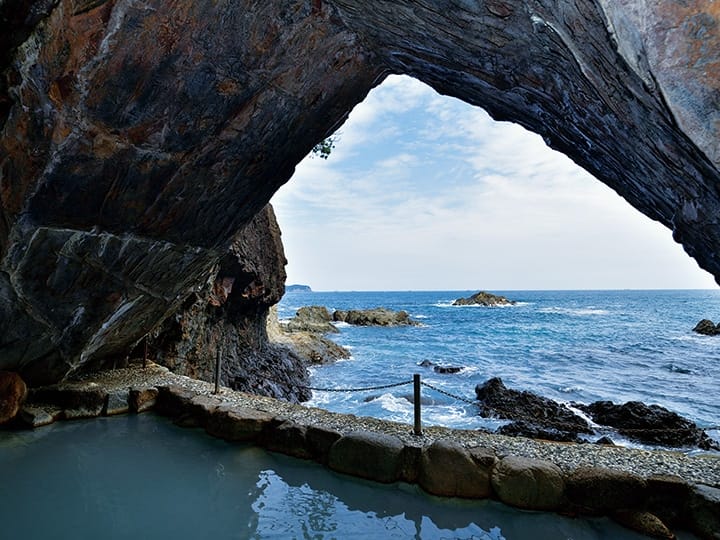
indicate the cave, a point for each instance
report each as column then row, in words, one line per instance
column 137, row 140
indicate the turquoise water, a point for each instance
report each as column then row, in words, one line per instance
column 137, row 477
column 578, row 346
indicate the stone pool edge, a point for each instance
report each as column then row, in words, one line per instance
column 648, row 491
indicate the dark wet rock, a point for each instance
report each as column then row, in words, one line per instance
column 605, row 441
column 707, row 328
column 651, row 424
column 13, row 392
column 483, row 298
column 440, row 368
column 522, row 428
column 374, row 317
column 533, row 415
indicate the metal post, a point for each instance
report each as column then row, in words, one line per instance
column 416, row 401
column 217, row 372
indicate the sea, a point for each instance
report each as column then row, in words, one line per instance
column 570, row 346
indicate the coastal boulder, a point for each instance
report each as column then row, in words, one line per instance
column 533, row 484
column 449, row 470
column 651, row 424
column 598, row 490
column 707, row 328
column 483, row 298
column 533, row 415
column 369, row 455
column 13, row 392
column 704, row 511
column 374, row 317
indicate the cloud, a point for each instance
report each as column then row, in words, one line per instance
column 426, row 192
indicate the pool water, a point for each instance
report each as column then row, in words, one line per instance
column 140, row 476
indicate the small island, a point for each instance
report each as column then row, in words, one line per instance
column 298, row 288
column 483, row 298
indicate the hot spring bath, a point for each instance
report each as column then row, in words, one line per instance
column 139, row 476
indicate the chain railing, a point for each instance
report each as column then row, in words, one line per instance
column 497, row 412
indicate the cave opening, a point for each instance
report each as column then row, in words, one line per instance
column 426, row 192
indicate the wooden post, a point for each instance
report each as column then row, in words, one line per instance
column 217, row 372
column 146, row 354
column 416, row 401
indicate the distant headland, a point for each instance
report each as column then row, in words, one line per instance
column 296, row 288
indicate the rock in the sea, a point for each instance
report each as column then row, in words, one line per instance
column 483, row 298
column 311, row 319
column 707, row 328
column 374, row 317
column 651, row 424
column 533, row 415
column 13, row 392
column 439, row 368
column 311, row 346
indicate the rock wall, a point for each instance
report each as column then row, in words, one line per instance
column 227, row 317
column 137, row 138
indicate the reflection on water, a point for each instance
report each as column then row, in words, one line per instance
column 137, row 477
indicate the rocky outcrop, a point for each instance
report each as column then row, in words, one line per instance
column 315, row 319
column 170, row 125
column 483, row 298
column 534, row 416
column 228, row 318
column 303, row 334
column 538, row 417
column 707, row 327
column 374, row 317
column 651, row 424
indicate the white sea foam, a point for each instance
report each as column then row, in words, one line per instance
column 394, row 404
column 341, row 324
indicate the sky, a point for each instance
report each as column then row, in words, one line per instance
column 425, row 192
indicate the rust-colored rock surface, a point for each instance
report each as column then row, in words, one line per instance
column 137, row 138
column 13, row 392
